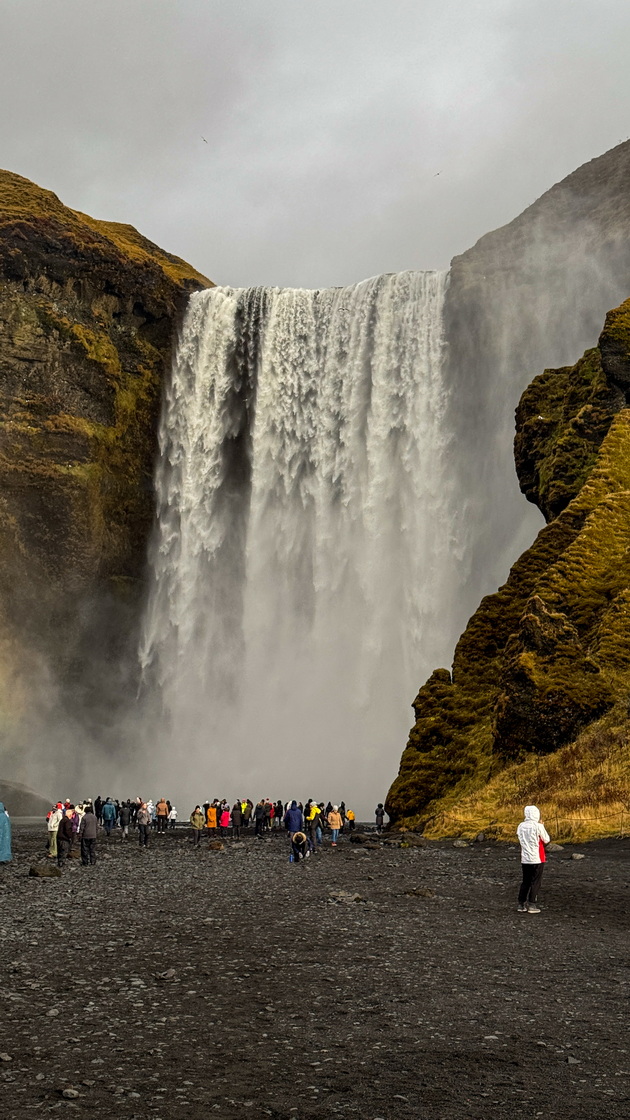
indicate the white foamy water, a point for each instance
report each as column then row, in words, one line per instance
column 305, row 558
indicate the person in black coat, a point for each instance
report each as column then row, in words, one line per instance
column 65, row 837
column 88, row 831
column 236, row 817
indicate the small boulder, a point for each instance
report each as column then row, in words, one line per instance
column 345, row 896
column 555, row 847
column 460, row 843
column 420, row 892
column 70, row 1094
column 577, row 855
column 216, row 846
column 360, row 837
column 480, row 837
column 413, row 840
column 45, row 871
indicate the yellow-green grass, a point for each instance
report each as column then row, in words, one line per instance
column 582, row 790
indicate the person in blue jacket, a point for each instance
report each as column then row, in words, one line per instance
column 5, row 835
column 109, row 815
column 293, row 819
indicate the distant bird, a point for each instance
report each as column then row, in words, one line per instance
column 204, row 139
column 436, row 174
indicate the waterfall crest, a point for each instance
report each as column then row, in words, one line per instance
column 304, row 556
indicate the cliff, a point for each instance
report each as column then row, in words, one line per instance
column 544, row 664
column 531, row 294
column 88, row 314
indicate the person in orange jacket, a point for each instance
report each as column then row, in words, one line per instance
column 211, row 817
column 335, row 822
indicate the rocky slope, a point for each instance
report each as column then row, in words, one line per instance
column 549, row 653
column 88, row 313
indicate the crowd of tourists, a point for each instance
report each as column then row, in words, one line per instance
column 70, row 824
column 78, row 824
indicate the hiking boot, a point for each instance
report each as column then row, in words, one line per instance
column 532, row 909
column 522, row 908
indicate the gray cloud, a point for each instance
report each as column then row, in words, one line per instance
column 344, row 138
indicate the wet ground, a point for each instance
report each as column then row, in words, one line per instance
column 176, row 983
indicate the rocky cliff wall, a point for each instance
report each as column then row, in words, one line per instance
column 88, row 314
column 549, row 653
column 529, row 295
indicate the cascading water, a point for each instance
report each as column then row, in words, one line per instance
column 304, row 559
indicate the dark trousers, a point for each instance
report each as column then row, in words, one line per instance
column 143, row 835
column 63, row 847
column 236, row 831
column 532, row 875
column 162, row 823
column 88, row 851
column 197, row 833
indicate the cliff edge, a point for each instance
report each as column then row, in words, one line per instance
column 88, row 314
column 536, row 704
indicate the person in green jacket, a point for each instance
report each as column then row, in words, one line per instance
column 198, row 823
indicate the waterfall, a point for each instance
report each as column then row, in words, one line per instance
column 304, row 560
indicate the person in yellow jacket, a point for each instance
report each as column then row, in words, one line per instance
column 350, row 817
column 335, row 823
column 211, row 817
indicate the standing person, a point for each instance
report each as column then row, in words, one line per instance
column 224, row 820
column 54, row 817
column 172, row 817
column 88, row 831
column 268, row 815
column 293, row 819
column 124, row 819
column 259, row 818
column 144, row 820
column 237, row 819
column 532, row 836
column 211, row 818
column 379, row 814
column 335, row 822
column 198, row 822
column 313, row 823
column 98, row 806
column 108, row 814
column 277, row 820
column 64, row 837
column 161, row 812
column 351, row 819
column 5, row 835
column 342, row 814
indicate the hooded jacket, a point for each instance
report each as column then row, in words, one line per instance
column 293, row 818
column 532, row 836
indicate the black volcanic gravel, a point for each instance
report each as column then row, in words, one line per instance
column 279, row 1000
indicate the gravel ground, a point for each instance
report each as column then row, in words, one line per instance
column 176, row 983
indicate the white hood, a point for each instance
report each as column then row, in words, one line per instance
column 531, row 813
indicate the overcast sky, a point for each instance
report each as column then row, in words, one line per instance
column 344, row 137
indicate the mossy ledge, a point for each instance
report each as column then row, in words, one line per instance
column 546, row 657
column 88, row 314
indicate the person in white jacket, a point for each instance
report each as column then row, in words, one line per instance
column 532, row 836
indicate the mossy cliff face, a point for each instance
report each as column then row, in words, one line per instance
column 549, row 653
column 88, row 314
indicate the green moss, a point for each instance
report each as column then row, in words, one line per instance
column 550, row 651
column 25, row 202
